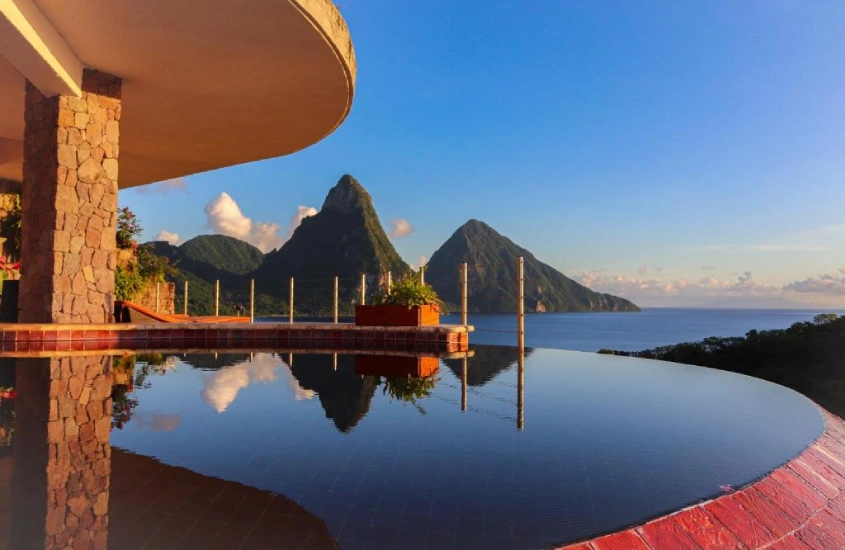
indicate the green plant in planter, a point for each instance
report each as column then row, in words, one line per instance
column 409, row 291
column 409, row 390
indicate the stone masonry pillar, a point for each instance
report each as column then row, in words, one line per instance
column 69, row 203
column 62, row 455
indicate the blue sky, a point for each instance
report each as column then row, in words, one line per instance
column 677, row 153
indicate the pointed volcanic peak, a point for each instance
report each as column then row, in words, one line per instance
column 345, row 239
column 491, row 260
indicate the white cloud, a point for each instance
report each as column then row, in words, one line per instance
column 302, row 212
column 642, row 270
column 420, row 262
column 842, row 270
column 224, row 216
column 401, row 228
column 167, row 236
column 222, row 387
column 164, row 187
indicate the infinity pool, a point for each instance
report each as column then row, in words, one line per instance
column 278, row 450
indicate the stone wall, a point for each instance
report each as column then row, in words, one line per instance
column 166, row 298
column 62, row 459
column 71, row 150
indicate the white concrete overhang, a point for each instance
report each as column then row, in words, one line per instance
column 205, row 84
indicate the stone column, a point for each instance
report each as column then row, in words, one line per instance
column 62, row 455
column 69, row 203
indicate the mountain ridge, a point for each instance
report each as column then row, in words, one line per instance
column 492, row 260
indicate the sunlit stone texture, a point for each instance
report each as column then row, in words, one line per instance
column 69, row 202
column 62, row 456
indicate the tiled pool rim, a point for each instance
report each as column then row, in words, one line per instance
column 19, row 337
column 797, row 506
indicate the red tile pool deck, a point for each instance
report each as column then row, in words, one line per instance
column 798, row 506
column 19, row 337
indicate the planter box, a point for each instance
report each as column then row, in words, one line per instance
column 396, row 316
column 394, row 366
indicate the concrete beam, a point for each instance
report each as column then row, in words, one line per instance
column 35, row 48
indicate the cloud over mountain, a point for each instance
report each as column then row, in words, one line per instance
column 400, row 227
column 168, row 237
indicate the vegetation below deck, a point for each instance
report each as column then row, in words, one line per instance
column 808, row 357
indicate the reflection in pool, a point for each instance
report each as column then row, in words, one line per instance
column 285, row 450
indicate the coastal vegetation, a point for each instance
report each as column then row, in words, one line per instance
column 808, row 357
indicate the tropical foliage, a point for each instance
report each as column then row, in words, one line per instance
column 7, row 415
column 410, row 291
column 409, row 390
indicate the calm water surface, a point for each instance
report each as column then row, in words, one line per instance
column 320, row 450
column 271, row 450
column 649, row 328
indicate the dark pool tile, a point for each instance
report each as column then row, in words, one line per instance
column 439, row 539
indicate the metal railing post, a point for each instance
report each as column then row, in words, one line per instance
column 252, row 300
column 290, row 302
column 336, row 298
column 464, row 294
column 520, row 303
column 217, row 297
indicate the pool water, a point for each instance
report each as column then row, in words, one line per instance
column 481, row 452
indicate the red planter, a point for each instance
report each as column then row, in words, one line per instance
column 393, row 366
column 396, row 316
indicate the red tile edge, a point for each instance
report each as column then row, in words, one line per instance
column 802, row 504
column 55, row 337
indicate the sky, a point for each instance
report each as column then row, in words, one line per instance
column 674, row 153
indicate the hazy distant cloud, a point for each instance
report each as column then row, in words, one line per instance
column 301, row 213
column 400, row 228
column 842, row 270
column 786, row 248
column 708, row 267
column 224, row 216
column 642, row 270
column 156, row 421
column 659, row 268
column 164, row 187
column 420, row 262
column 689, row 290
column 827, row 285
column 167, row 236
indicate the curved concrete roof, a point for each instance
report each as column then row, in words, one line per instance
column 205, row 85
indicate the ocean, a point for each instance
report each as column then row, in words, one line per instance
column 629, row 331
